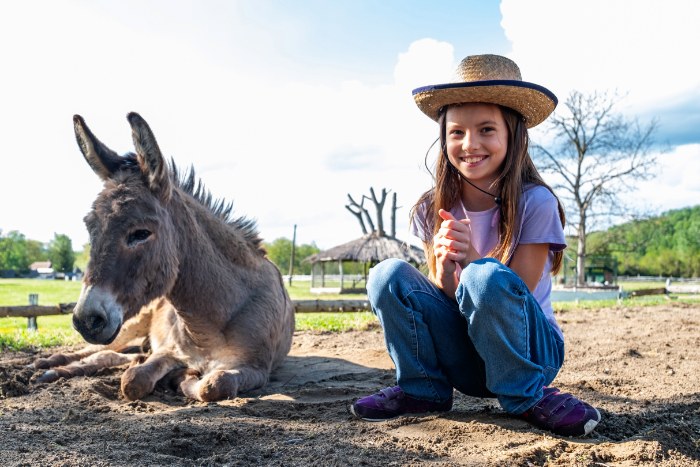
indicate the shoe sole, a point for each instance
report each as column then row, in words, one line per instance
column 413, row 414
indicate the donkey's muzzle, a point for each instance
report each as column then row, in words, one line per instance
column 97, row 316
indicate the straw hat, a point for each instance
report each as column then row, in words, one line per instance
column 491, row 79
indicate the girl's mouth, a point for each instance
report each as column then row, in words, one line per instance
column 473, row 160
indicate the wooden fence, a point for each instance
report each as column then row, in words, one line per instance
column 302, row 306
column 32, row 311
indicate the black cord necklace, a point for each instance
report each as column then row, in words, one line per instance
column 496, row 199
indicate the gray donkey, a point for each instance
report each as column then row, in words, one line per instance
column 168, row 263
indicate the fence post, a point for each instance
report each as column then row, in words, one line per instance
column 31, row 322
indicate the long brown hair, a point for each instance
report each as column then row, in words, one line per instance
column 518, row 171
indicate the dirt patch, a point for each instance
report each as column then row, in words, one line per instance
column 639, row 366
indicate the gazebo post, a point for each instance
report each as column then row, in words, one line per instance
column 323, row 274
column 340, row 266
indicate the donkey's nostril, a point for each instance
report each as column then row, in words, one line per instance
column 95, row 324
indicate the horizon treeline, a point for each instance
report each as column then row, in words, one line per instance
column 18, row 252
column 665, row 245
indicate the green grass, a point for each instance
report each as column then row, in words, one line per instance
column 335, row 322
column 641, row 301
column 302, row 291
column 53, row 331
column 57, row 330
column 15, row 292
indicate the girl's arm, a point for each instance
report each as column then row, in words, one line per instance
column 528, row 263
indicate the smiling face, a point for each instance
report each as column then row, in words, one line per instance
column 477, row 141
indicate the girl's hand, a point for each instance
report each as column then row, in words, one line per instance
column 453, row 241
column 451, row 246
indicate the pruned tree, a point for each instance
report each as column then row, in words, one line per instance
column 362, row 215
column 379, row 206
column 597, row 154
column 358, row 211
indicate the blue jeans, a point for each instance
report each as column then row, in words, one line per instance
column 495, row 341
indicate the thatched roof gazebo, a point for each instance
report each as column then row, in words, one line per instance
column 368, row 250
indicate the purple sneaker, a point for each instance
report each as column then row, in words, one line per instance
column 390, row 403
column 562, row 414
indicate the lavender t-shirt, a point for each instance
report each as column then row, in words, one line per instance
column 539, row 223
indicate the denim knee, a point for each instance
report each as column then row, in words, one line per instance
column 484, row 280
column 385, row 276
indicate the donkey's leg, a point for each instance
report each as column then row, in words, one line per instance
column 62, row 359
column 133, row 328
column 224, row 384
column 139, row 380
column 88, row 366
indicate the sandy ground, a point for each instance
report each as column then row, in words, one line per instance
column 639, row 366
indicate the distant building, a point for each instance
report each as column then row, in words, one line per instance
column 41, row 270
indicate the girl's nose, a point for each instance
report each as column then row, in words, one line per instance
column 471, row 143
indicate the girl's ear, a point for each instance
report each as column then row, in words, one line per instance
column 151, row 161
column 104, row 161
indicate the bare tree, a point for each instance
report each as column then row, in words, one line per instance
column 379, row 206
column 597, row 154
column 362, row 215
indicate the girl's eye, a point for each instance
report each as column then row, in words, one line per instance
column 456, row 132
column 138, row 236
column 487, row 129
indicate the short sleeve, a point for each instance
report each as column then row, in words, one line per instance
column 541, row 223
column 419, row 225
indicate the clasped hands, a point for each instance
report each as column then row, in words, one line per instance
column 452, row 245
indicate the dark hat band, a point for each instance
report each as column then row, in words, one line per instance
column 490, row 82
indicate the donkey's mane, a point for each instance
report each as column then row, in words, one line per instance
column 188, row 183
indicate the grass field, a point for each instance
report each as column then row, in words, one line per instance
column 57, row 330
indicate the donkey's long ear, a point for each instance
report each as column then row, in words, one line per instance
column 151, row 161
column 104, row 161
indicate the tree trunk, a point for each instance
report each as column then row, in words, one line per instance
column 392, row 233
column 581, row 252
column 379, row 205
column 291, row 260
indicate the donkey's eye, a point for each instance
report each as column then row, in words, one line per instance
column 138, row 236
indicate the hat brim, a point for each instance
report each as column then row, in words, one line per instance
column 535, row 103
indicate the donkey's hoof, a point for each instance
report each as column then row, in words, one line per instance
column 136, row 383
column 48, row 377
column 40, row 364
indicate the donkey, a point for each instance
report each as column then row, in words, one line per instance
column 213, row 306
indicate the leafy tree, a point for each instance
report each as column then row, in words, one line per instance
column 666, row 245
column 280, row 252
column 36, row 252
column 13, row 251
column 61, row 253
column 597, row 154
column 82, row 257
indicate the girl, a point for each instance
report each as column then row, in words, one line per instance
column 493, row 233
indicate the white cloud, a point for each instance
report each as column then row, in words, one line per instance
column 265, row 143
column 644, row 47
column 426, row 62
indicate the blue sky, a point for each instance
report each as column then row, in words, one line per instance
column 286, row 107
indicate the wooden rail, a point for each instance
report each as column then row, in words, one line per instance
column 318, row 306
column 32, row 311
column 642, row 292
column 302, row 306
